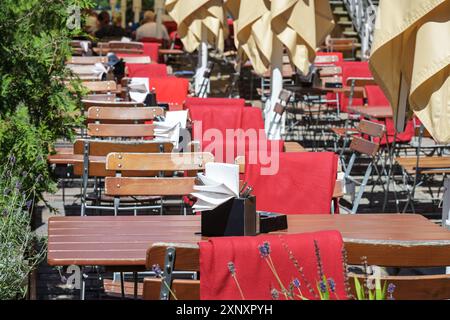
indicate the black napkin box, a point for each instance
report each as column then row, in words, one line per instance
column 271, row 222
column 236, row 217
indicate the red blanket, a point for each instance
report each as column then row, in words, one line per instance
column 304, row 183
column 170, row 90
column 353, row 70
column 227, row 144
column 153, row 70
column 376, row 97
column 255, row 278
column 152, row 50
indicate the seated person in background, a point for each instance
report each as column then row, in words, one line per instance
column 148, row 28
column 109, row 31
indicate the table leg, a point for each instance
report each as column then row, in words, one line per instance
column 82, row 284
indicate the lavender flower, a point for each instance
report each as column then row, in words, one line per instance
column 275, row 294
column 323, row 287
column 390, row 290
column 18, row 185
column 4, row 212
column 264, row 250
column 232, row 268
column 12, row 159
column 296, row 283
column 157, row 270
column 332, row 285
column 28, row 204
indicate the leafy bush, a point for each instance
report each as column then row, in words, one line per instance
column 36, row 107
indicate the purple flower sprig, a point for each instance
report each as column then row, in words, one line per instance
column 232, row 270
column 265, row 251
column 160, row 274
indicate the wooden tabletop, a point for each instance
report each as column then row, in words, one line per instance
column 123, row 241
column 381, row 112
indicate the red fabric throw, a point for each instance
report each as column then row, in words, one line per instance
column 170, row 90
column 225, row 102
column 153, row 70
column 303, row 184
column 152, row 50
column 352, row 69
column 376, row 97
column 253, row 274
column 246, row 134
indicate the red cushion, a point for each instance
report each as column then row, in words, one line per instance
column 170, row 90
column 153, row 70
column 253, row 274
column 303, row 184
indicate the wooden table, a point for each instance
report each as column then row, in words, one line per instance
column 376, row 112
column 123, row 241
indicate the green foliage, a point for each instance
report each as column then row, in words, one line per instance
column 18, row 244
column 36, row 108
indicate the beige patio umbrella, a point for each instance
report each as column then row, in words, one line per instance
column 200, row 22
column 411, row 61
column 264, row 28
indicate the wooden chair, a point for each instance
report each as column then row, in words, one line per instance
column 119, row 122
column 137, row 60
column 100, row 86
column 173, row 257
column 363, row 145
column 89, row 103
column 87, row 60
column 161, row 186
column 93, row 165
column 411, row 255
column 126, row 47
column 106, row 97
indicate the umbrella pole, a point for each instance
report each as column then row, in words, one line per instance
column 159, row 10
column 274, row 125
column 202, row 63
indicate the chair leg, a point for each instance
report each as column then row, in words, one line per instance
column 362, row 188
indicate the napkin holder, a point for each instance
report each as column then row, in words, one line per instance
column 271, row 222
column 236, row 217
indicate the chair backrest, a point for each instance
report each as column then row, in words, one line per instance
column 88, row 103
column 137, row 60
column 105, row 97
column 420, row 255
column 123, row 114
column 96, row 151
column 330, row 71
column 87, row 60
column 126, row 47
column 180, row 257
column 121, row 122
column 100, row 86
column 161, row 186
column 367, row 146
